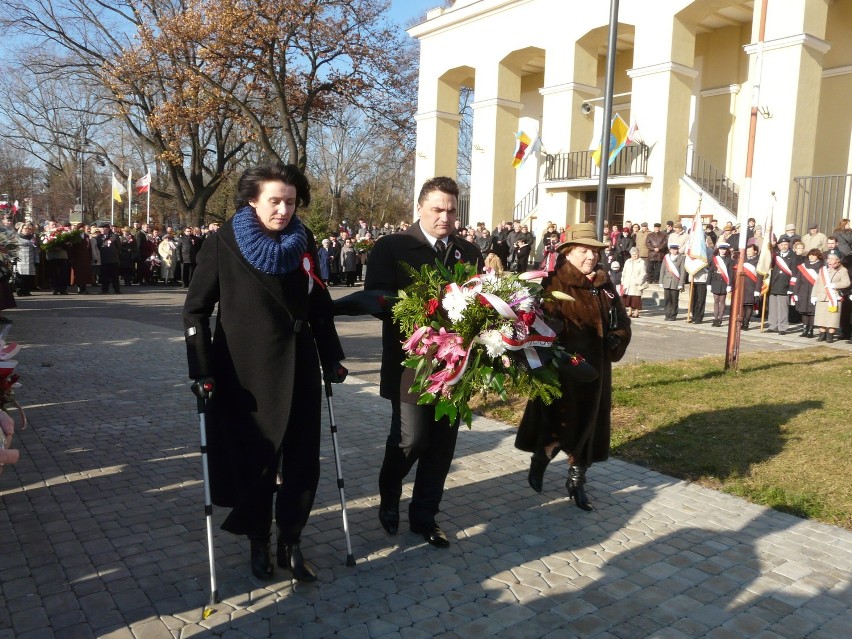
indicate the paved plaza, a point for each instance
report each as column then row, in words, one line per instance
column 103, row 531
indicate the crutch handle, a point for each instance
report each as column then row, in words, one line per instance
column 203, row 388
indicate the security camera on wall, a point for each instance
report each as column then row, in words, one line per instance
column 586, row 108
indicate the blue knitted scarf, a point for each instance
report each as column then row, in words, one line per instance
column 268, row 255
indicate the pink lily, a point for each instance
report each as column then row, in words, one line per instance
column 450, row 347
column 411, row 343
column 532, row 275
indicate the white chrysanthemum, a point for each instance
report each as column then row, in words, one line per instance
column 455, row 302
column 493, row 342
column 523, row 301
column 489, row 280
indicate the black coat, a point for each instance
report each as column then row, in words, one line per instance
column 718, row 285
column 187, row 249
column 263, row 347
column 802, row 289
column 580, row 419
column 749, row 285
column 387, row 274
column 779, row 281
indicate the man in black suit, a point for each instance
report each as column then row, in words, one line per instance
column 415, row 434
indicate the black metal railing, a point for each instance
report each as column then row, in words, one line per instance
column 464, row 207
column 714, row 182
column 526, row 205
column 823, row 200
column 579, row 165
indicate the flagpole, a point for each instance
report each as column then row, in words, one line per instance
column 607, row 119
column 112, row 200
column 732, row 347
column 148, row 214
column 129, row 195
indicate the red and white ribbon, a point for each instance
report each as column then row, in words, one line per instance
column 751, row 271
column 722, row 269
column 782, row 265
column 830, row 291
column 670, row 267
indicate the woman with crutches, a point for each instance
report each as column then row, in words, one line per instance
column 274, row 332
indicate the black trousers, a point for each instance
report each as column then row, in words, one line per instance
column 654, row 271
column 186, row 274
column 699, row 299
column 58, row 274
column 415, row 435
column 748, row 310
column 109, row 275
column 671, row 296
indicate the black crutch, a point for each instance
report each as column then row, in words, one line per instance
column 203, row 389
column 350, row 558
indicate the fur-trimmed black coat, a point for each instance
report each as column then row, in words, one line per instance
column 262, row 356
column 580, row 419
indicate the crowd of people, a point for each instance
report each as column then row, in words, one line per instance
column 104, row 255
column 802, row 281
column 635, row 256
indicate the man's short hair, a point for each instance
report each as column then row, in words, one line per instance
column 443, row 184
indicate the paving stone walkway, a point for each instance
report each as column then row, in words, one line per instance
column 102, row 528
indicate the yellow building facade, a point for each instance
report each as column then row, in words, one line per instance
column 687, row 75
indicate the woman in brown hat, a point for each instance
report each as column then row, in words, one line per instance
column 596, row 326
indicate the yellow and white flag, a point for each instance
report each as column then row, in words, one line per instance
column 117, row 189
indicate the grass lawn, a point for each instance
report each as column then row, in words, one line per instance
column 778, row 432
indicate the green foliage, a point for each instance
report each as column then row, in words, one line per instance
column 318, row 223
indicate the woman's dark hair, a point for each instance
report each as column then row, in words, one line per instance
column 816, row 252
column 251, row 182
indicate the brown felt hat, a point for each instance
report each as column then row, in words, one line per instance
column 583, row 234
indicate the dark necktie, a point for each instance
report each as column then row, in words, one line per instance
column 441, row 251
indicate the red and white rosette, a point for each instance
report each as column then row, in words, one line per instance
column 310, row 270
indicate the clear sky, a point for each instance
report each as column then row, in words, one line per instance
column 402, row 11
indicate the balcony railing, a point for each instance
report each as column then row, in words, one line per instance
column 714, row 182
column 579, row 165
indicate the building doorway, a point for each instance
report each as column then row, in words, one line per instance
column 614, row 207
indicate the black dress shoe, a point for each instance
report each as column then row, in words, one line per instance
column 290, row 558
column 389, row 518
column 432, row 534
column 261, row 560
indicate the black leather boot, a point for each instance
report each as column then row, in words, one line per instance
column 538, row 464
column 290, row 558
column 575, row 485
column 830, row 338
column 821, row 337
column 810, row 334
column 261, row 558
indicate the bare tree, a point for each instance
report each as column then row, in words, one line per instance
column 141, row 79
column 298, row 61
